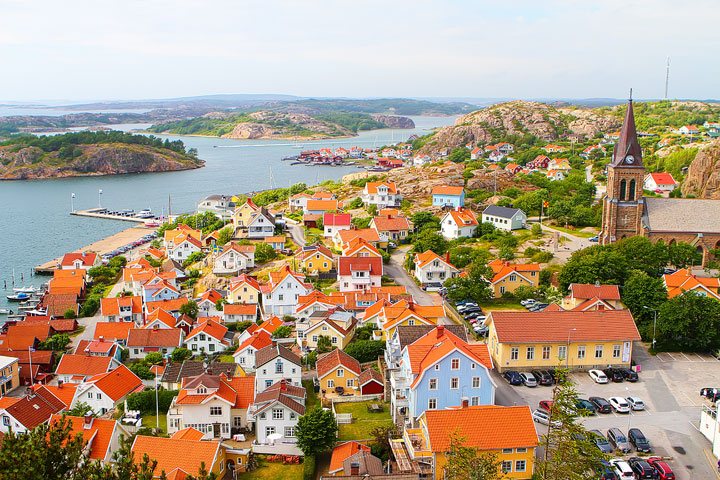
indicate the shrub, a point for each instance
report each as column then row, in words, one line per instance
column 145, row 401
column 309, row 467
column 365, row 350
column 542, row 257
column 180, row 354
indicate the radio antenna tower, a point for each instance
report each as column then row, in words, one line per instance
column 667, row 78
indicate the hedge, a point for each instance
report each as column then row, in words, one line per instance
column 145, row 401
column 309, row 467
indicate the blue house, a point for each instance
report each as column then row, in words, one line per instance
column 447, row 196
column 437, row 371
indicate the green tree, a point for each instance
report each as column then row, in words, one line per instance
column 468, row 463
column 536, row 229
column 142, row 370
column 283, row 331
column 594, row 264
column 475, row 285
column 190, row 309
column 430, row 240
column 324, row 344
column 355, row 203
column 57, row 343
column 689, row 322
column 372, row 210
column 122, row 467
column 642, row 254
column 264, row 252
column 464, row 255
column 425, row 220
column 643, row 295
column 193, row 258
column 365, row 350
column 220, row 304
column 90, row 306
column 80, row 410
column 224, row 235
column 316, row 431
column 69, row 314
column 154, row 358
column 181, row 354
column 459, row 155
column 683, row 255
column 570, row 453
column 102, row 274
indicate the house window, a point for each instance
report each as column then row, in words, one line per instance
column 89, row 394
column 293, row 415
column 268, row 383
column 546, row 352
column 454, row 382
column 519, row 465
column 455, row 364
column 513, row 278
column 340, row 372
column 215, row 411
column 237, row 422
column 616, row 351
column 562, row 352
column 331, row 383
column 581, row 352
column 507, row 450
column 506, row 466
column 202, row 337
column 432, row 403
column 289, row 432
column 278, row 367
column 193, row 347
column 242, row 360
column 476, row 382
column 280, row 298
column 324, row 328
column 278, row 414
column 211, row 347
column 411, row 322
column 201, row 391
column 432, row 384
column 269, row 430
column 334, row 340
column 599, row 351
column 530, row 355
column 314, row 338
column 99, row 396
column 514, row 353
column 350, row 383
column 520, row 450
column 474, row 401
column 502, row 290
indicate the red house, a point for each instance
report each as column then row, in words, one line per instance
column 371, row 382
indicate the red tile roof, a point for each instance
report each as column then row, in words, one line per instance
column 31, row 411
column 166, row 452
column 463, row 217
column 112, row 330
column 188, row 434
column 372, row 187
column 389, row 223
column 151, row 337
column 88, row 259
column 116, row 383
column 98, row 434
column 240, row 309
column 324, row 205
column 343, row 451
column 347, row 265
column 257, row 340
column 245, row 389
column 111, row 306
column 335, row 359
column 367, row 234
column 84, row 365
column 588, row 290
column 370, row 375
column 447, row 190
column 210, row 328
column 588, row 326
column 167, row 305
column 337, row 219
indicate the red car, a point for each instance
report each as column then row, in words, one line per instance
column 662, row 469
column 546, row 405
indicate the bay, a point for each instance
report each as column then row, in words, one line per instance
column 35, row 224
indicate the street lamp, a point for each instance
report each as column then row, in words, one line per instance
column 654, row 324
column 567, row 350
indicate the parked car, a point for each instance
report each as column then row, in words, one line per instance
column 481, row 330
column 539, row 307
column 628, row 374
column 545, row 405
column 594, row 239
column 638, row 440
column 618, row 440
column 662, row 469
column 598, row 376
column 585, row 405
column 527, row 379
column 601, row 442
column 543, row 417
column 642, row 469
column 542, row 377
column 619, row 404
column 613, row 375
column 512, row 377
column 461, row 307
column 432, row 287
column 602, row 405
column 609, row 473
column 392, row 245
column 528, row 302
column 710, row 393
column 635, row 403
column 622, row 468
column 557, row 375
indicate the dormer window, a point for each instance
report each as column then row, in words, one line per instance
column 201, row 391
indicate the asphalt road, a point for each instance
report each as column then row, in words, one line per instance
column 297, row 233
column 396, row 271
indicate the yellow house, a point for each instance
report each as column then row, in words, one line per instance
column 338, row 325
column 241, row 215
column 584, row 296
column 388, row 316
column 508, row 277
column 170, row 235
column 338, row 369
column 314, row 259
column 244, row 289
column 579, row 339
column 358, row 247
column 183, row 455
column 508, row 432
column 10, row 370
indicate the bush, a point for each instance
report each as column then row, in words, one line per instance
column 69, row 314
column 142, row 370
column 264, row 253
column 193, row 258
column 309, row 467
column 536, row 229
column 180, row 354
column 366, row 350
column 145, row 401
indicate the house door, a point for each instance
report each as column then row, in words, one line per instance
column 216, row 430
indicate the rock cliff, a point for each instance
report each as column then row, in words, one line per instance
column 283, row 125
column 101, row 159
column 393, row 121
column 703, row 177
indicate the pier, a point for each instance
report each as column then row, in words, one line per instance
column 102, row 213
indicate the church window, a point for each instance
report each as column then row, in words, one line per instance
column 623, row 187
column 631, row 191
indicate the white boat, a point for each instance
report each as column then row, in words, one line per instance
column 18, row 297
column 26, row 290
column 11, row 317
column 5, row 311
column 36, row 312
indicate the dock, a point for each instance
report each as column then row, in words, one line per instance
column 96, row 213
column 105, row 245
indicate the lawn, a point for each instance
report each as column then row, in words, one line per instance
column 501, row 304
column 577, row 233
column 149, row 421
column 226, row 358
column 363, row 422
column 312, row 396
column 273, row 471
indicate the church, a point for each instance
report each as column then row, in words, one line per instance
column 626, row 212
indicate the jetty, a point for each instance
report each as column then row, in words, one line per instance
column 108, row 244
column 104, row 213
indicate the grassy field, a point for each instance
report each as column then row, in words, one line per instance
column 273, row 471
column 362, row 421
column 149, row 421
column 501, row 304
column 226, row 358
column 312, row 396
column 576, row 233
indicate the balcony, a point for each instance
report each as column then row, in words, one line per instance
column 360, row 280
column 416, row 444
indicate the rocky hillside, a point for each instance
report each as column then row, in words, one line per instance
column 98, row 159
column 703, row 177
column 518, row 118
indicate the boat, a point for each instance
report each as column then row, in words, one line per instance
column 35, row 312
column 16, row 316
column 152, row 224
column 25, row 290
column 299, row 163
column 291, row 157
column 18, row 297
column 5, row 311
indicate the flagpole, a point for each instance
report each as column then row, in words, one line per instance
column 72, row 202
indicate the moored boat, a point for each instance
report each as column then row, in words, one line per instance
column 5, row 311
column 18, row 297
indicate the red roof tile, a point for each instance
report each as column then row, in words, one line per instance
column 84, row 365
column 335, row 359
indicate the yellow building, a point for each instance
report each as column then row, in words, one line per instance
column 244, row 289
column 586, row 296
column 314, row 259
column 508, row 277
column 337, row 369
column 388, row 316
column 170, row 235
column 579, row 339
column 10, row 370
column 241, row 215
column 508, row 432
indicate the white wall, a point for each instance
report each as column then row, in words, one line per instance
column 266, row 373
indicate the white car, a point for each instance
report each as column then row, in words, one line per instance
column 619, row 404
column 635, row 403
column 543, row 417
column 622, row 468
column 598, row 376
column 528, row 302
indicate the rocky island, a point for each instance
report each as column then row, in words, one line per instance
column 91, row 153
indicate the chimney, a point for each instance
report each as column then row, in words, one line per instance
column 88, row 420
column 60, row 384
column 283, row 385
column 465, row 402
column 354, row 468
column 101, row 338
column 597, row 283
column 447, row 256
column 389, row 216
column 440, row 331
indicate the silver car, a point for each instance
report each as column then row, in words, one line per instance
column 618, row 440
column 528, row 379
column 635, row 403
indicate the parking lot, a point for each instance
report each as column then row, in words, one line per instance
column 669, row 385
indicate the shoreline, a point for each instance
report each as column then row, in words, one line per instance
column 98, row 174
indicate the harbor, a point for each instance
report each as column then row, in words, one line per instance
column 125, row 215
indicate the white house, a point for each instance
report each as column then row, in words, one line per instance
column 458, row 223
column 419, row 160
column 688, row 130
column 276, row 411
column 236, row 313
column 261, row 224
column 208, row 337
column 245, row 353
column 334, row 222
column 432, row 268
column 234, row 259
column 185, row 245
column 274, row 363
column 359, row 273
column 142, row 341
column 222, row 206
column 663, row 182
column 121, row 309
column 381, row 194
column 504, row 218
column 105, row 391
column 77, row 260
column 281, row 293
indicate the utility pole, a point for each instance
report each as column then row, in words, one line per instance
column 667, row 78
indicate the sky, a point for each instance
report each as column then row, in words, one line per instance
column 111, row 50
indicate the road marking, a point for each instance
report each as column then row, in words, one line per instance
column 694, row 404
column 669, row 355
column 686, row 358
column 659, row 357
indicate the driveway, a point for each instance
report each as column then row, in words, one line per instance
column 297, row 232
column 395, row 270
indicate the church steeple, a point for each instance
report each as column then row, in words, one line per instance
column 627, row 151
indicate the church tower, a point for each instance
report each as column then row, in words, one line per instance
column 623, row 203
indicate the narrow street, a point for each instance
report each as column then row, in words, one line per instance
column 296, row 232
column 395, row 270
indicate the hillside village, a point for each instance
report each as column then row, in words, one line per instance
column 376, row 326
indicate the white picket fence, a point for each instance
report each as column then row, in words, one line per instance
column 343, row 418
